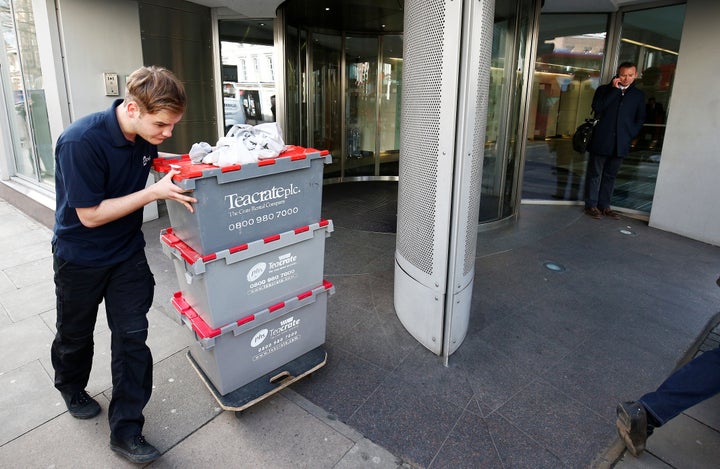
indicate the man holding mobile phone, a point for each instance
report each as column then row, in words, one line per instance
column 620, row 108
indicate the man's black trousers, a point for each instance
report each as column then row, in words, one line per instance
column 127, row 288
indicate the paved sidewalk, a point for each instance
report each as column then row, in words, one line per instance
column 533, row 385
column 690, row 440
column 183, row 420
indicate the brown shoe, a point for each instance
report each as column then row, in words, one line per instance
column 611, row 214
column 632, row 426
column 593, row 212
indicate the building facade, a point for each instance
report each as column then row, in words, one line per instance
column 337, row 79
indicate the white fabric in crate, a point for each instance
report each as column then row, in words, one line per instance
column 247, row 144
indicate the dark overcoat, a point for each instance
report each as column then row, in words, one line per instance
column 621, row 118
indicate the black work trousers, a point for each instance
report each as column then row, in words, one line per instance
column 127, row 289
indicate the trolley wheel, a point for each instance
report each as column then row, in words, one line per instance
column 238, row 414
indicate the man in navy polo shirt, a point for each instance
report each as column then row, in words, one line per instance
column 102, row 164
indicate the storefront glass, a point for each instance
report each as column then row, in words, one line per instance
column 505, row 110
column 361, row 105
column 570, row 54
column 248, row 72
column 23, row 86
column 327, row 98
column 354, row 55
column 651, row 39
column 389, row 98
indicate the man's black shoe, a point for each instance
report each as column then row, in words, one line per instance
column 81, row 405
column 134, row 449
column 632, row 426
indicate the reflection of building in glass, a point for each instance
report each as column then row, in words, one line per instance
column 33, row 155
column 254, row 85
column 583, row 44
column 565, row 80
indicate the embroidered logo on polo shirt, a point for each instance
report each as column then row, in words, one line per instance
column 146, row 159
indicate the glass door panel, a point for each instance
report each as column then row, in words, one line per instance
column 523, row 24
column 504, row 114
column 360, row 105
column 390, row 92
column 651, row 39
column 327, row 113
column 569, row 61
column 295, row 95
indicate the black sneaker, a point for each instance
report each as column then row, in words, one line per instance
column 81, row 405
column 135, row 449
column 632, row 426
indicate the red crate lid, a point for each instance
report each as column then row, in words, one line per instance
column 189, row 170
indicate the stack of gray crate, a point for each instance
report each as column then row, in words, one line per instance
column 249, row 263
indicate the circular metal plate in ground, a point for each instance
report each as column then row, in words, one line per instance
column 554, row 266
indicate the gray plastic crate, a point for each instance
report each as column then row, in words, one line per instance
column 240, row 352
column 237, row 204
column 250, row 277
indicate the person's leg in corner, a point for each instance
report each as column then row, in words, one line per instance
column 691, row 384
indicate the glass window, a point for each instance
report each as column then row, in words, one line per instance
column 570, row 53
column 390, row 92
column 349, row 102
column 269, row 60
column 295, row 101
column 248, row 95
column 651, row 39
column 507, row 79
column 361, row 59
column 33, row 154
column 327, row 110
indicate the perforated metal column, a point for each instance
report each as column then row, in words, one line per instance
column 445, row 88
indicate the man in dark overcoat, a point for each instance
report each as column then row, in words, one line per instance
column 620, row 106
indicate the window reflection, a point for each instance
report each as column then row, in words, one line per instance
column 353, row 84
column 569, row 61
column 507, row 78
column 30, row 125
column 327, row 113
column 651, row 39
column 360, row 109
column 247, row 53
column 392, row 47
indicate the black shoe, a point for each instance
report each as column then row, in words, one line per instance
column 135, row 449
column 632, row 426
column 81, row 405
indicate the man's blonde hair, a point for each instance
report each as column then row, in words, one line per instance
column 156, row 89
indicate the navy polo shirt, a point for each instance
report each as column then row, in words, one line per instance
column 93, row 162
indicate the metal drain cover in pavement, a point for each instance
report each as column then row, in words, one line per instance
column 554, row 267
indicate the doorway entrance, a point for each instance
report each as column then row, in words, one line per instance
column 343, row 82
column 573, row 59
